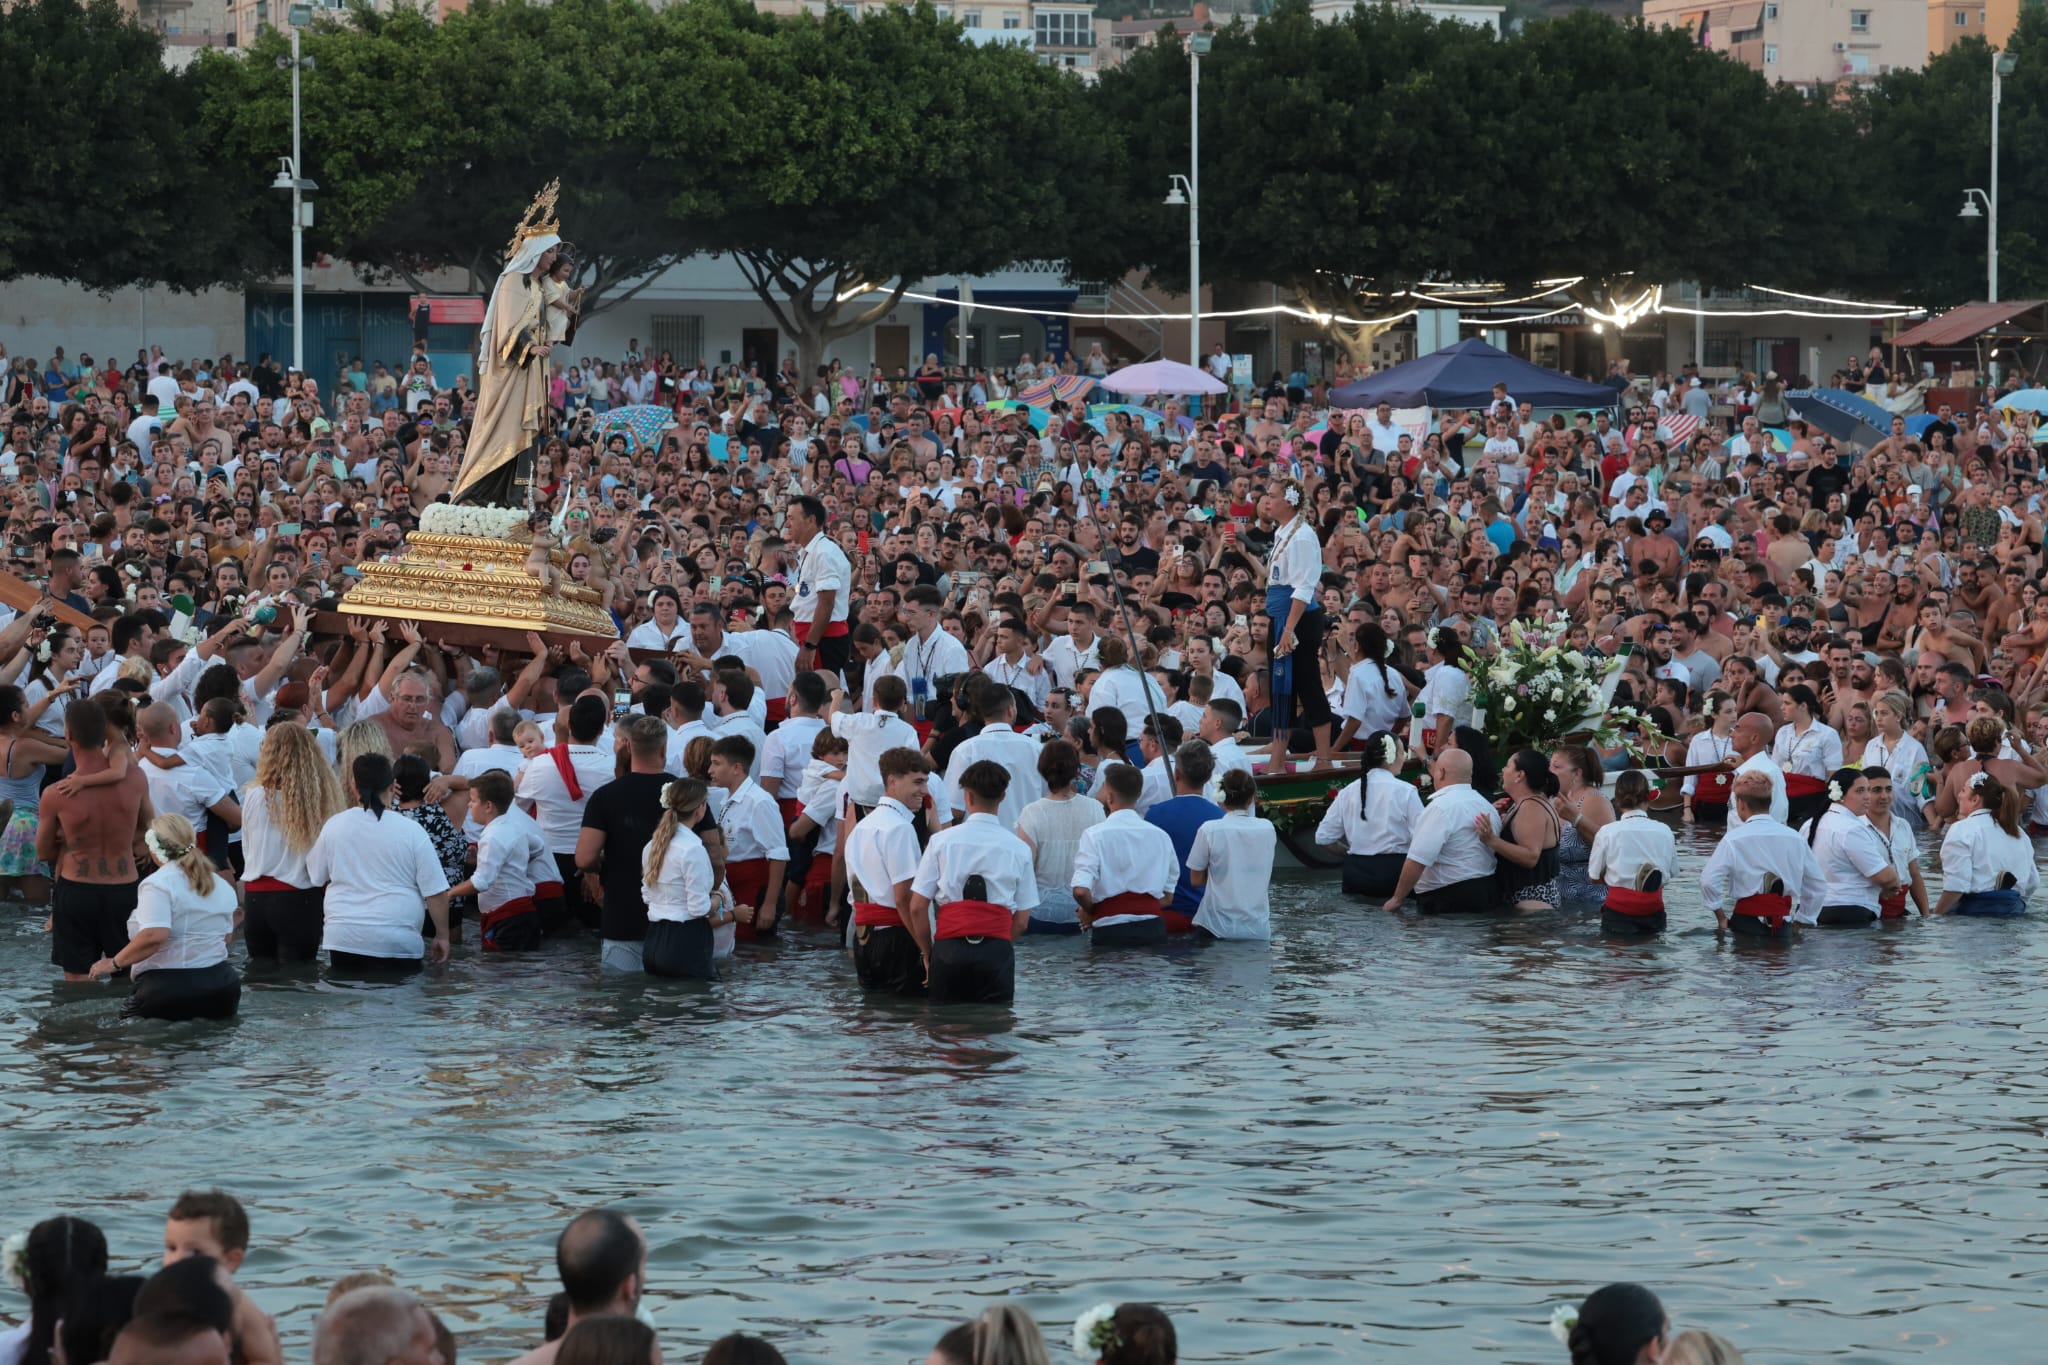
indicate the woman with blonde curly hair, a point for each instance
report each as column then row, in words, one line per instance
column 362, row 737
column 282, row 812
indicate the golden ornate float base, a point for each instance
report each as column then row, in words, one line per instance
column 475, row 590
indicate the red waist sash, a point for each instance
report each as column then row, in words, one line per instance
column 748, row 879
column 1130, row 903
column 547, row 891
column 492, row 920
column 869, row 915
column 1799, row 784
column 973, row 919
column 1713, row 789
column 832, row 631
column 1626, row 900
column 270, row 884
column 778, row 711
column 790, row 808
column 1765, row 906
column 1892, row 904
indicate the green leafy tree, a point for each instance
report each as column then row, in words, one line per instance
column 99, row 186
column 1928, row 139
column 858, row 156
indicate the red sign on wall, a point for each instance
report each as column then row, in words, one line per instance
column 465, row 311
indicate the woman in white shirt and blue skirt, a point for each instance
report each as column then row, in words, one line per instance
column 178, row 936
column 1374, row 820
column 1987, row 865
column 1299, row 621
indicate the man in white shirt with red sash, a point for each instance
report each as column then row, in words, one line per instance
column 824, row 586
column 756, row 842
column 977, row 883
column 556, row 784
column 1761, row 869
column 890, row 941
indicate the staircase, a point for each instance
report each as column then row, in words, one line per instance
column 1138, row 339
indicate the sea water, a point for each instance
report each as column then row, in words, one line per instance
column 1383, row 1137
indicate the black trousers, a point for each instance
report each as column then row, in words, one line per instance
column 362, row 964
column 1148, row 932
column 1637, row 925
column 284, row 924
column 1756, row 926
column 973, row 971
column 678, row 949
column 579, row 910
column 887, row 959
column 1474, row 896
column 1311, row 701
column 1847, row 914
column 1372, row 874
column 186, row 993
column 834, row 651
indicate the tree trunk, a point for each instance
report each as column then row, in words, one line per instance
column 807, row 302
column 1347, row 297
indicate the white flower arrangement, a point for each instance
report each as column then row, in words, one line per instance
column 489, row 523
column 1095, row 1332
column 162, row 851
column 1535, row 691
column 14, row 1260
column 1390, row 751
column 1563, row 1318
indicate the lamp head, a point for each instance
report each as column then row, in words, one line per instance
column 1175, row 197
column 1200, row 43
column 1970, row 209
column 2005, row 63
column 285, row 178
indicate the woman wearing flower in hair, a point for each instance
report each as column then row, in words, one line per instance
column 178, row 936
column 1706, row 794
column 1125, row 1334
column 1633, row 856
column 1808, row 749
column 1987, row 864
column 1618, row 1324
column 667, row 626
column 1855, row 861
column 1299, row 621
column 1373, row 820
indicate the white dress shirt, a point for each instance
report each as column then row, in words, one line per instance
column 1122, row 854
column 1158, row 785
column 998, row 743
column 1706, row 748
column 199, row 925
column 1756, row 849
column 753, row 826
column 869, row 735
column 379, row 873
column 771, row 654
column 1064, row 658
column 748, row 726
column 1297, row 564
column 1018, row 675
column 1237, row 853
column 508, row 857
column 264, row 850
column 1376, row 814
column 560, row 815
column 1446, row 691
column 938, row 656
column 681, row 891
column 189, row 789
column 1445, row 843
column 1623, row 846
column 881, row 850
column 1903, row 759
column 650, row 635
column 472, row 764
column 1817, row 753
column 820, row 792
column 977, row 845
column 1761, row 762
column 1375, row 702
column 1976, row 851
column 1126, row 689
column 821, row 566
column 1228, row 756
column 787, row 752
column 1850, row 852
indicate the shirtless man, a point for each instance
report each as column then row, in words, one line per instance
column 88, row 839
column 411, row 720
column 1900, row 613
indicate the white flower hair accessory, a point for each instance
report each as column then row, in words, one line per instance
column 1293, row 496
column 1390, row 749
column 1977, row 779
column 1834, row 790
column 1563, row 1318
column 1095, row 1332
column 14, row 1260
column 163, row 852
column 43, row 651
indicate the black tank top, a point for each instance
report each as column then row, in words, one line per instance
column 1513, row 876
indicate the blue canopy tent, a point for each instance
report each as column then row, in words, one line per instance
column 1463, row 376
column 1843, row 415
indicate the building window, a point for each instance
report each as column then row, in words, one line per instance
column 971, row 18
column 680, row 334
column 1721, row 350
column 1962, row 18
column 1770, row 54
column 1859, row 21
column 1011, row 21
column 1770, row 13
column 1066, row 28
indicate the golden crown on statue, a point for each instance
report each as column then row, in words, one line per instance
column 540, row 218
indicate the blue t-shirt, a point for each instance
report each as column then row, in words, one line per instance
column 1180, row 818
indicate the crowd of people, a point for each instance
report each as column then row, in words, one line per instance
column 944, row 671
column 192, row 1311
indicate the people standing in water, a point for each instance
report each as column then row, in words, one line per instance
column 1526, row 845
column 1232, row 861
column 1633, row 857
column 177, row 949
column 294, row 794
column 1807, row 749
column 1898, row 836
column 1899, row 753
column 1854, row 859
column 1052, row 826
column 1448, row 868
column 891, row 943
column 1987, row 865
column 976, row 884
column 1124, row 870
column 1753, row 754
column 378, row 873
column 1373, row 820
column 1761, row 875
column 678, row 884
column 86, row 836
column 1706, row 794
column 1583, row 810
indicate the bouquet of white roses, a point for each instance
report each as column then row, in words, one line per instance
column 1535, row 690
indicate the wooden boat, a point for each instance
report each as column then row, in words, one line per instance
column 1296, row 799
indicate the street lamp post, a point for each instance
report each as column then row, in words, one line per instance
column 1186, row 189
column 2002, row 65
column 289, row 178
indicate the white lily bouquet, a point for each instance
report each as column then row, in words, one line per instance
column 491, row 523
column 1536, row 690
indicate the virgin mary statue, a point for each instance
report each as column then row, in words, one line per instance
column 512, row 368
